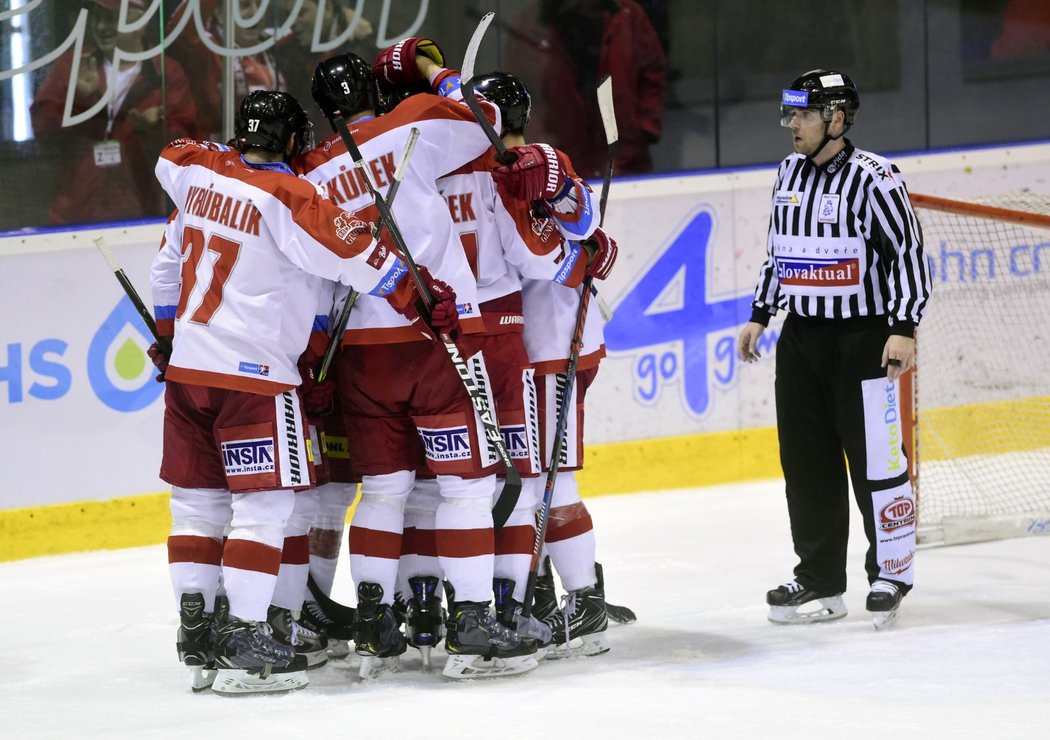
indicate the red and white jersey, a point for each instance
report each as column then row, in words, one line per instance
column 243, row 262
column 449, row 138
column 550, row 318
column 504, row 240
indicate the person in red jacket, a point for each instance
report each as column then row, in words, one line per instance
column 571, row 45
column 112, row 153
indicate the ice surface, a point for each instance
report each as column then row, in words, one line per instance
column 87, row 648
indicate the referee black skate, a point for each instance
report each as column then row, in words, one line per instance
column 845, row 260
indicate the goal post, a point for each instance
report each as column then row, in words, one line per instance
column 980, row 442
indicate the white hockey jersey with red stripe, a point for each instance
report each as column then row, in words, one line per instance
column 449, row 137
column 503, row 238
column 550, row 319
column 242, row 264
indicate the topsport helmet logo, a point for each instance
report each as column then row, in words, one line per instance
column 795, row 97
column 120, row 373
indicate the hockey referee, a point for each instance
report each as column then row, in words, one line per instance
column 845, row 260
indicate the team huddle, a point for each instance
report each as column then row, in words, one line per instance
column 394, row 308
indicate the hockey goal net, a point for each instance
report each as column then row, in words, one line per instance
column 981, row 447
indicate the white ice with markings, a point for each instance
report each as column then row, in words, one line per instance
column 87, row 648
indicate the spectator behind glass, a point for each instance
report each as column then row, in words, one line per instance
column 570, row 46
column 297, row 61
column 1025, row 32
column 111, row 155
column 205, row 67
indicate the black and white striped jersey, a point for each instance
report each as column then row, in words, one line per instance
column 843, row 242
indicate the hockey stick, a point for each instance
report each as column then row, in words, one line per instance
column 344, row 314
column 340, row 615
column 466, row 78
column 504, row 505
column 605, row 103
column 163, row 343
column 503, row 155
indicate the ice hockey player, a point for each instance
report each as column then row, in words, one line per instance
column 550, row 308
column 234, row 444
column 386, row 359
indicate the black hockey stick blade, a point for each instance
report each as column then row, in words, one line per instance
column 507, row 500
column 343, row 616
column 620, row 614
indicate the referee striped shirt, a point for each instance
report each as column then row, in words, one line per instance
column 843, row 242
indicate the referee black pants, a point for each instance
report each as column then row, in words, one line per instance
column 835, row 405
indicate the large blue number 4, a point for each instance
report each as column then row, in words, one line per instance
column 669, row 303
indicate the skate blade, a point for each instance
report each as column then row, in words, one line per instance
column 424, row 654
column 478, row 666
column 832, row 608
column 201, row 678
column 373, row 667
column 315, row 659
column 884, row 620
column 338, row 649
column 239, row 682
column 620, row 614
column 580, row 647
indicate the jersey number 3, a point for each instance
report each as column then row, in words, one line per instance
column 193, row 249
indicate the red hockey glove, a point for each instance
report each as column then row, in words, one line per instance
column 602, row 250
column 159, row 359
column 536, row 175
column 396, row 65
column 317, row 396
column 444, row 316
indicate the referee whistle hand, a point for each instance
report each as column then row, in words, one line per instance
column 898, row 356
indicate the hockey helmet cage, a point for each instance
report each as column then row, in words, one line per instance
column 267, row 120
column 344, row 85
column 823, row 90
column 509, row 94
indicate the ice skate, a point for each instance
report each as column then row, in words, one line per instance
column 579, row 626
column 313, row 617
column 378, row 637
column 424, row 616
column 250, row 661
column 883, row 602
column 478, row 646
column 287, row 629
column 196, row 641
column 785, row 600
column 544, row 596
column 534, row 633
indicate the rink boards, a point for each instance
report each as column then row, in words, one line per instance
column 80, row 436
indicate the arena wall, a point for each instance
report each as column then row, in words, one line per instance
column 80, row 414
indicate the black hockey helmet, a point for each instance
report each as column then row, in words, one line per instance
column 822, row 90
column 509, row 94
column 389, row 97
column 344, row 85
column 268, row 118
